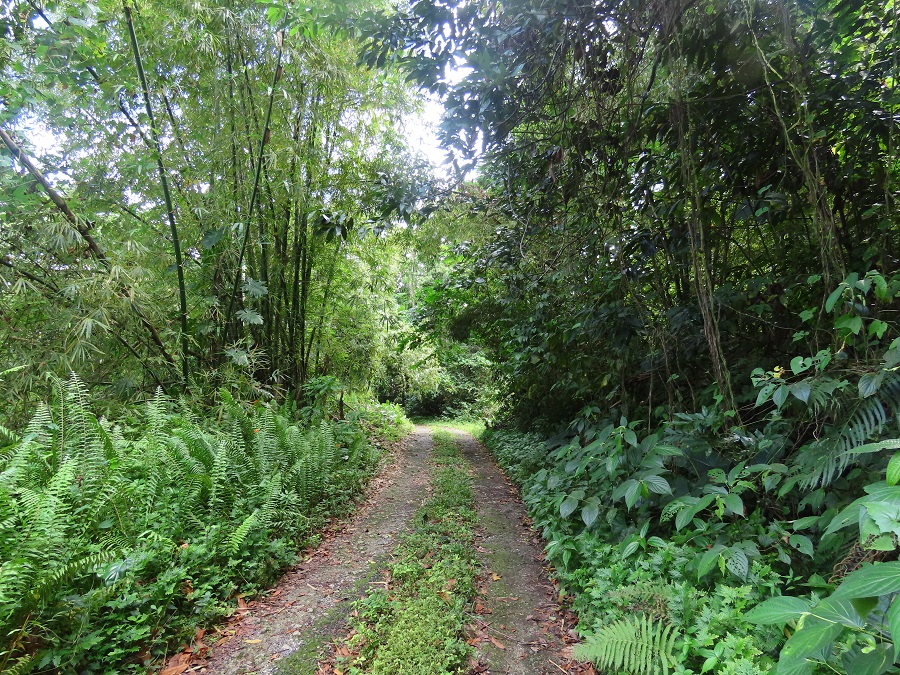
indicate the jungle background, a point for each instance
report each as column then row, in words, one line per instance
column 660, row 262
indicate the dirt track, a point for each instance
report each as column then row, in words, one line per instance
column 516, row 625
column 309, row 603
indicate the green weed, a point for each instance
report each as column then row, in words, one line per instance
column 414, row 626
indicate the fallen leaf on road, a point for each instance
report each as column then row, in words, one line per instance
column 177, row 665
column 497, row 643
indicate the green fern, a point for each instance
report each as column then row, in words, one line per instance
column 636, row 645
column 821, row 462
column 21, row 666
column 240, row 534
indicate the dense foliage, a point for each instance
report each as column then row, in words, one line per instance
column 193, row 196
column 686, row 274
column 674, row 262
column 119, row 537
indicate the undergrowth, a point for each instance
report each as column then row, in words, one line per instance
column 414, row 624
column 119, row 538
column 642, row 608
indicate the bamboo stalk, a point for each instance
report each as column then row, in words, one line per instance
column 170, row 211
column 259, row 161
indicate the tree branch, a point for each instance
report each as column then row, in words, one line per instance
column 83, row 227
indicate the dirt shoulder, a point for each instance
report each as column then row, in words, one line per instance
column 308, row 605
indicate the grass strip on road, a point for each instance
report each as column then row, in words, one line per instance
column 413, row 624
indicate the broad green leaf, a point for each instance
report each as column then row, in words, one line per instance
column 684, row 516
column 734, row 503
column 870, row 581
column 877, row 328
column 878, row 446
column 876, row 492
column 839, row 611
column 568, row 506
column 777, row 611
column 632, row 492
column 737, row 563
column 893, row 470
column 212, row 237
column 874, row 662
column 780, row 395
column 853, row 324
column 792, row 666
column 708, row 560
column 802, row 390
column 803, row 523
column 834, row 297
column 893, row 619
column 799, row 364
column 813, row 635
column 658, row 484
column 764, row 394
column 802, row 544
column 630, row 549
column 886, row 516
column 864, row 606
column 870, row 383
column 590, row 510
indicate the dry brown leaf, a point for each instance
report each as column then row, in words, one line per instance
column 497, row 643
column 174, row 670
column 177, row 664
column 252, row 642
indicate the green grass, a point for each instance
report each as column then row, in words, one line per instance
column 476, row 429
column 414, row 626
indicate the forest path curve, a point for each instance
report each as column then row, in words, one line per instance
column 311, row 601
column 519, row 613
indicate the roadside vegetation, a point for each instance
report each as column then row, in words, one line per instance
column 121, row 538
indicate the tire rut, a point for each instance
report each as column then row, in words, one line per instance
column 520, row 603
column 310, row 602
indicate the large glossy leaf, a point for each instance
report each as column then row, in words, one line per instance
column 871, row 581
column 657, row 484
column 814, row 635
column 839, row 611
column 777, row 611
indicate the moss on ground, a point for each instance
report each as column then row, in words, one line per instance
column 415, row 624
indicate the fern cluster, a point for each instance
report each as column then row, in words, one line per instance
column 861, row 420
column 637, row 645
column 100, row 523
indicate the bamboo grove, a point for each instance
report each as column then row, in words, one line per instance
column 192, row 214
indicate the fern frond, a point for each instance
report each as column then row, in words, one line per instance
column 22, row 666
column 49, row 584
column 8, row 435
column 158, row 411
column 637, row 645
column 238, row 536
column 821, row 462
